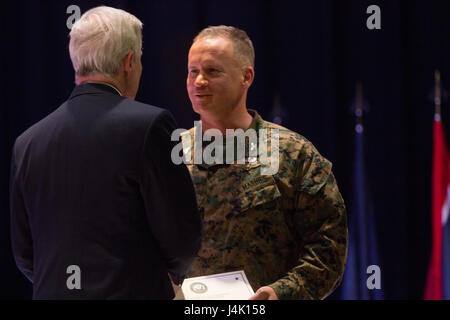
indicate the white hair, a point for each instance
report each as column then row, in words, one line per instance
column 101, row 38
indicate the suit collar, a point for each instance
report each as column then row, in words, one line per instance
column 92, row 88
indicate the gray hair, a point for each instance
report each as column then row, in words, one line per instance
column 242, row 45
column 101, row 38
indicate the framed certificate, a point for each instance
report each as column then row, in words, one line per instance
column 222, row 286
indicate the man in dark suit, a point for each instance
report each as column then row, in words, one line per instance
column 98, row 209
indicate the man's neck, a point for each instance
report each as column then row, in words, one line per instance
column 235, row 120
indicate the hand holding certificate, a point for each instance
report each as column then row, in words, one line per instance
column 222, row 286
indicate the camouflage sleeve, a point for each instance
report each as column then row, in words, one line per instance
column 320, row 225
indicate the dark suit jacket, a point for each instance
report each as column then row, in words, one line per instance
column 93, row 185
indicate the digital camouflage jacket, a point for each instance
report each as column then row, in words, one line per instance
column 287, row 230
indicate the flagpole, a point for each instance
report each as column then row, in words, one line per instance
column 359, row 109
column 437, row 95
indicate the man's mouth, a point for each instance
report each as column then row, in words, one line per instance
column 203, row 95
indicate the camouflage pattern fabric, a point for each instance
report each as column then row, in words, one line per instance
column 287, row 230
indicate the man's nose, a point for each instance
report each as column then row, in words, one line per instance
column 200, row 81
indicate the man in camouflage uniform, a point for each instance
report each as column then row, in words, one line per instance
column 287, row 231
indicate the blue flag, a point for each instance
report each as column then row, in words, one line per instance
column 363, row 273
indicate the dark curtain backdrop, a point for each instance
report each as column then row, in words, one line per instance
column 309, row 57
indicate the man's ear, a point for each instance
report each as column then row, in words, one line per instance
column 128, row 62
column 249, row 75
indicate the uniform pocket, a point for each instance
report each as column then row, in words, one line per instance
column 255, row 189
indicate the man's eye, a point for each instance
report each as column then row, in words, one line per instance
column 213, row 71
column 193, row 72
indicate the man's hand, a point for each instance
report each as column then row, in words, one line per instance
column 177, row 290
column 264, row 293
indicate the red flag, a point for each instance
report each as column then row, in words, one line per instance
column 434, row 289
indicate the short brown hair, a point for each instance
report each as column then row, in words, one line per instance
column 242, row 44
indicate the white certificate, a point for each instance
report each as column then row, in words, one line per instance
column 222, row 286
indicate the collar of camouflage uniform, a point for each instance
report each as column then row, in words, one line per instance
column 256, row 124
